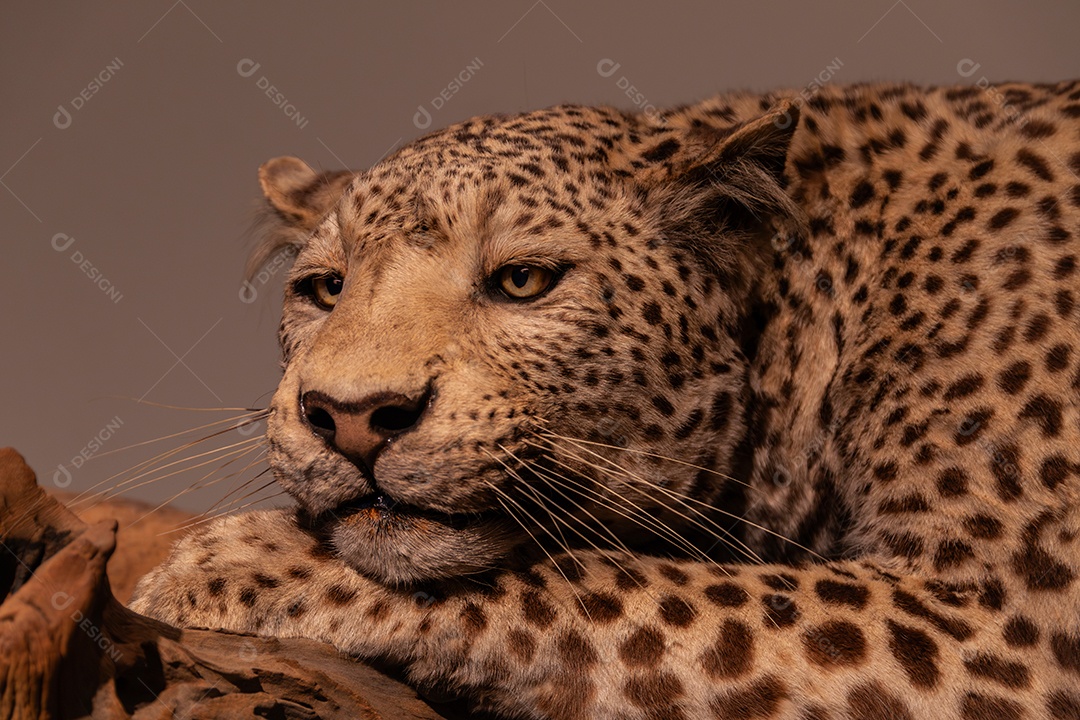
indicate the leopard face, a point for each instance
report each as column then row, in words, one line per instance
column 504, row 327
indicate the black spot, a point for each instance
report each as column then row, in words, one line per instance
column 903, row 544
column 664, row 405
column 732, row 654
column 643, row 648
column 1010, row 674
column 841, row 593
column 662, row 151
column 266, row 581
column 862, row 194
column 720, row 410
column 1066, row 650
column 911, row 605
column 1055, row 469
column 1021, row 632
column 1040, row 570
column 676, row 611
column 601, row 607
column 1062, row 704
column 964, row 253
column 340, row 595
column 1002, row 218
column 577, row 653
column 983, row 527
column 652, row 313
column 870, row 700
column 1045, row 411
column 886, row 471
column 952, row 553
column 964, row 386
column 727, row 594
column 978, row 707
column 1037, row 328
column 835, row 643
column 1036, row 164
column 687, row 428
column 972, row 426
column 248, row 596
column 1013, row 378
column 780, row 610
column 916, row 652
column 536, row 610
column 981, row 169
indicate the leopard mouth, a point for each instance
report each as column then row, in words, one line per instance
column 381, row 507
column 397, row 543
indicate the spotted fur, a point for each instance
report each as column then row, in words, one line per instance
column 795, row 433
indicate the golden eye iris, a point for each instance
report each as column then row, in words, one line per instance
column 326, row 290
column 524, row 281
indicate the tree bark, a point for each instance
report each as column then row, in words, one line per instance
column 69, row 648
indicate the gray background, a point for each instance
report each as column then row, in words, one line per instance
column 154, row 175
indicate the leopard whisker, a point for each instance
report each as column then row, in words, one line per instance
column 687, row 499
column 237, row 420
column 152, row 462
column 542, row 474
column 227, row 507
column 741, row 546
column 199, row 484
column 186, row 407
column 228, row 510
column 126, row 486
column 638, row 516
column 646, row 453
column 499, row 498
column 592, row 528
column 502, row 494
column 237, row 488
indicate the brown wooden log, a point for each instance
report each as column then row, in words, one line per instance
column 69, row 649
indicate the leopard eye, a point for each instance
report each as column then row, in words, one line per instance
column 524, row 281
column 325, row 291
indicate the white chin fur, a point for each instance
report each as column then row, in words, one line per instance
column 405, row 550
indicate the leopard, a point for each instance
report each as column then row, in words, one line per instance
column 766, row 406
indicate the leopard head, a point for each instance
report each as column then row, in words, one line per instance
column 518, row 330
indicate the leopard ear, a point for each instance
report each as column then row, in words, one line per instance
column 301, row 195
column 743, row 164
column 720, row 192
column 297, row 199
column 763, row 142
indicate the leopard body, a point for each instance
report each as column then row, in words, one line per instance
column 793, row 431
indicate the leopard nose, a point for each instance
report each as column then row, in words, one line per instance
column 361, row 430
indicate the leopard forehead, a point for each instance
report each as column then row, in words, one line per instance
column 565, row 172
